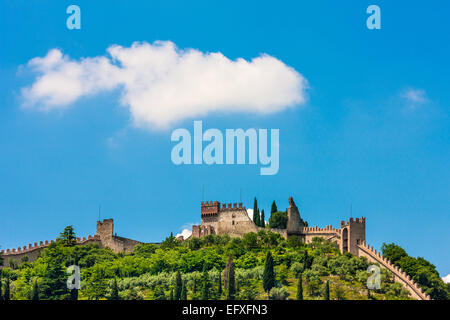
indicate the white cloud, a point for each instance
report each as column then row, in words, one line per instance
column 446, row 278
column 162, row 84
column 414, row 97
column 186, row 233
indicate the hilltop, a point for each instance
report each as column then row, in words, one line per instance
column 150, row 270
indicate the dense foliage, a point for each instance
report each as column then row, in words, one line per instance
column 423, row 272
column 195, row 269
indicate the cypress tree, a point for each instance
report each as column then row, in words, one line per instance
column 300, row 288
column 327, row 291
column 74, row 294
column 225, row 273
column 231, row 291
column 269, row 274
column 262, row 221
column 178, row 284
column 205, row 284
column 115, row 291
column 274, row 207
column 183, row 294
column 255, row 212
column 171, row 294
column 7, row 294
column 35, row 291
column 219, row 288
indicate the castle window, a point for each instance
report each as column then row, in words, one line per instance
column 232, row 222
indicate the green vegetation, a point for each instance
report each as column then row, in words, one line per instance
column 420, row 270
column 258, row 266
column 278, row 220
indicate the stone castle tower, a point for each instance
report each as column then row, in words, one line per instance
column 232, row 219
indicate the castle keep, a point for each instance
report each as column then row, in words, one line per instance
column 232, row 219
column 104, row 237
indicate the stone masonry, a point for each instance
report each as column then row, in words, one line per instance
column 104, row 237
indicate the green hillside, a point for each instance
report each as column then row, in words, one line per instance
column 193, row 269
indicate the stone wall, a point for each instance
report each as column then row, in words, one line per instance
column 33, row 251
column 105, row 238
column 363, row 250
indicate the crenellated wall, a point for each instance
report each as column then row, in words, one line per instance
column 399, row 275
column 32, row 250
column 217, row 218
column 105, row 238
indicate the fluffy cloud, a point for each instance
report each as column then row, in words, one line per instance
column 186, row 233
column 446, row 278
column 162, row 84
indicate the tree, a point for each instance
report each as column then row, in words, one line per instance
column 169, row 243
column 393, row 252
column 219, row 286
column 159, row 294
column 274, row 207
column 300, row 288
column 178, row 285
column 7, row 294
column 269, row 274
column 205, row 284
column 231, row 291
column 278, row 220
column 114, row 291
column 171, row 294
column 327, row 291
column 262, row 221
column 67, row 237
column 54, row 283
column 96, row 286
column 183, row 294
column 255, row 212
column 339, row 292
column 35, row 291
column 278, row 293
column 74, row 294
column 247, row 290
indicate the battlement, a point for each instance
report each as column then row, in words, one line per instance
column 361, row 220
column 397, row 271
column 232, row 206
column 209, row 208
column 41, row 245
column 327, row 229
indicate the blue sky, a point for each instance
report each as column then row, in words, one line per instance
column 373, row 133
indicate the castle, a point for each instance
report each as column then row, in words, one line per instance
column 232, row 219
column 104, row 237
